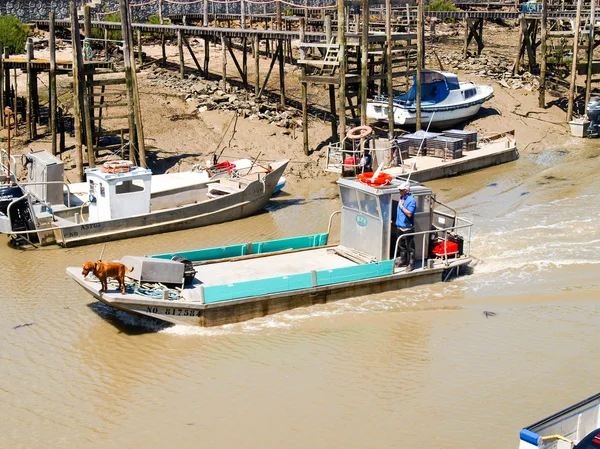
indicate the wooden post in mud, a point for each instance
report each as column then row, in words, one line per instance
column 256, row 64
column 87, row 22
column 181, row 57
column 105, row 44
column 61, row 130
column 136, row 130
column 342, row 69
column 52, row 83
column 16, row 101
column 388, row 61
column 242, row 15
column 332, row 99
column 281, row 74
column 522, row 30
column 139, row 46
column 278, row 15
column 574, row 65
column 162, row 34
column 76, row 94
column 304, row 86
column 224, row 56
column 2, row 121
column 543, row 63
column 364, row 62
column 7, row 82
column 419, row 62
column 29, row 122
column 591, row 39
column 206, row 55
column 82, row 95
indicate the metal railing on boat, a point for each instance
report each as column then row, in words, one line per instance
column 466, row 224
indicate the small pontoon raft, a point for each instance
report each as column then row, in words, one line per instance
column 216, row 286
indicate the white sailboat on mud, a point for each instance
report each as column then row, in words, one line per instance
column 443, row 97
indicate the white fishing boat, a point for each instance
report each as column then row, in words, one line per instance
column 228, row 284
column 445, row 101
column 119, row 200
column 575, row 427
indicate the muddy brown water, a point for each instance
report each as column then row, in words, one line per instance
column 415, row 368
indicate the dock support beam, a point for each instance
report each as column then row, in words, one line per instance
column 136, row 130
column 574, row 65
column 590, row 59
column 364, row 63
column 342, row 69
column 390, row 80
column 419, row 62
column 76, row 94
column 181, row 56
column 543, row 62
column 304, row 89
column 2, row 115
column 473, row 30
column 52, row 84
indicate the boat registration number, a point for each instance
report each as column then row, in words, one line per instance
column 173, row 312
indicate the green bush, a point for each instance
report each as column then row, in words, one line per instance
column 440, row 5
column 287, row 11
column 13, row 34
column 155, row 20
column 113, row 35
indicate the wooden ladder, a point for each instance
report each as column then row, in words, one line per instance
column 109, row 100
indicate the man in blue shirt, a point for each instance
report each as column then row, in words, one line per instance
column 405, row 222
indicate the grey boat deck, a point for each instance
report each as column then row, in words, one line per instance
column 271, row 266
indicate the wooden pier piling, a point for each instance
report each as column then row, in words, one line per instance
column 136, row 130
column 590, row 52
column 572, row 87
column 76, row 94
column 544, row 56
column 2, row 118
column 53, row 98
column 420, row 63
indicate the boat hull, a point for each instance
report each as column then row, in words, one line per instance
column 227, row 208
column 440, row 115
column 228, row 312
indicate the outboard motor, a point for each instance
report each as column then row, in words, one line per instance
column 8, row 193
column 593, row 113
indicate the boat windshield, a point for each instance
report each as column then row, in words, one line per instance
column 434, row 89
column 432, row 77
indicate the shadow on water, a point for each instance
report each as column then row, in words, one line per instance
column 128, row 323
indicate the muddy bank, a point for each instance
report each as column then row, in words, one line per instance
column 186, row 121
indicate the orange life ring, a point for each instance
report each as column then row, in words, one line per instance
column 382, row 179
column 360, row 132
column 120, row 166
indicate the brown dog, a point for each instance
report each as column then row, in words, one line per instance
column 105, row 270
